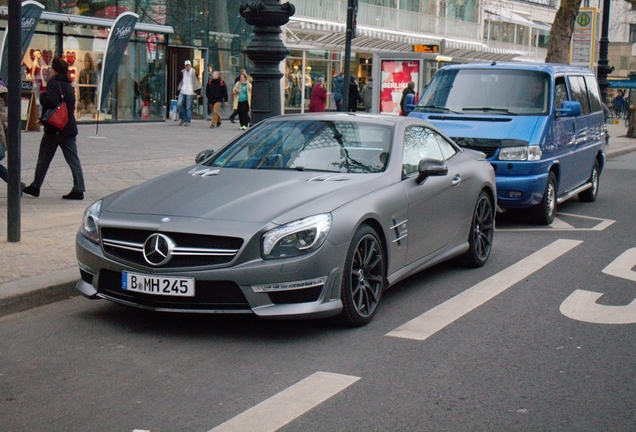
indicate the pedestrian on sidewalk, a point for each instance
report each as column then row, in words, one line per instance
column 53, row 137
column 367, row 95
column 337, row 88
column 318, row 96
column 354, row 94
column 238, row 77
column 4, row 124
column 243, row 100
column 188, row 87
column 216, row 92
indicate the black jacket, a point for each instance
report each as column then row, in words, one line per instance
column 216, row 91
column 354, row 97
column 52, row 96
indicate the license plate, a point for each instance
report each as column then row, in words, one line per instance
column 157, row 285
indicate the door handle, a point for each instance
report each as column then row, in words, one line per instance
column 457, row 180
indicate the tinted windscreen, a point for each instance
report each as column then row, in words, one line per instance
column 310, row 145
column 497, row 91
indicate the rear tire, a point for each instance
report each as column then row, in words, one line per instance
column 589, row 195
column 481, row 233
column 364, row 278
column 545, row 211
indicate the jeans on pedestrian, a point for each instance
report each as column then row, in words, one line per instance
column 184, row 105
column 48, row 147
column 338, row 105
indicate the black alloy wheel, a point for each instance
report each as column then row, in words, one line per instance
column 482, row 230
column 364, row 278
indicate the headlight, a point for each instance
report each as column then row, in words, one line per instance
column 90, row 222
column 296, row 238
column 525, row 153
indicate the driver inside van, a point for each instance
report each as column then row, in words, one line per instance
column 536, row 93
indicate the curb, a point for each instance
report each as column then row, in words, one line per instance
column 25, row 294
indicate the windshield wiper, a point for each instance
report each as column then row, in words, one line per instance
column 427, row 107
column 489, row 109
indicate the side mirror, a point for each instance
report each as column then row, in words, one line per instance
column 431, row 167
column 205, row 154
column 569, row 109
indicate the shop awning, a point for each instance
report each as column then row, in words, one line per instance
column 101, row 22
column 316, row 34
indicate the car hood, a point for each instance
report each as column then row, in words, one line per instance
column 483, row 126
column 243, row 195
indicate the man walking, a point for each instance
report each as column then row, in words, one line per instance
column 216, row 92
column 188, row 86
column 337, row 89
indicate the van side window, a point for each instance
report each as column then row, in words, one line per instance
column 595, row 94
column 579, row 92
column 560, row 92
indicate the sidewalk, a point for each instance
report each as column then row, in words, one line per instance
column 42, row 268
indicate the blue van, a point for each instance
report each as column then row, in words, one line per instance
column 540, row 125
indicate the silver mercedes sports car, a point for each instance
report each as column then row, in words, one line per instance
column 302, row 216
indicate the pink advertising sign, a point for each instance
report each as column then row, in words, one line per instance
column 396, row 74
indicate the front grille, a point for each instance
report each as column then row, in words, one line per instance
column 219, row 295
column 192, row 250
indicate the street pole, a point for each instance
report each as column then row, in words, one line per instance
column 603, row 64
column 14, row 36
column 351, row 6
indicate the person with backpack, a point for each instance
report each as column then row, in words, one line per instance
column 408, row 91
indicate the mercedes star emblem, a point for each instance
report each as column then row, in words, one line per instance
column 158, row 249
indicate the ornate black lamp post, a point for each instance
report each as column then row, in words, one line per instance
column 266, row 50
column 604, row 68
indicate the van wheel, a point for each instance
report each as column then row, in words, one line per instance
column 589, row 195
column 545, row 211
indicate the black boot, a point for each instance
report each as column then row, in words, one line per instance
column 31, row 190
column 74, row 196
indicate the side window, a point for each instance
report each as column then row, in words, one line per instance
column 419, row 143
column 579, row 93
column 560, row 92
column 448, row 151
column 595, row 95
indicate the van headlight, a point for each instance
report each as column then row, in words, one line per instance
column 90, row 222
column 297, row 238
column 523, row 153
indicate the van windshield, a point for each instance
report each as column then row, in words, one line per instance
column 493, row 91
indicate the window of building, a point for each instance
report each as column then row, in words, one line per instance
column 632, row 33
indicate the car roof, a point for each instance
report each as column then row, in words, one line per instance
column 551, row 68
column 382, row 119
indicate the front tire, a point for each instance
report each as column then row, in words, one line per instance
column 545, row 211
column 481, row 234
column 364, row 278
column 589, row 195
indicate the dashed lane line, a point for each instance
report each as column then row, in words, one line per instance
column 282, row 408
column 434, row 320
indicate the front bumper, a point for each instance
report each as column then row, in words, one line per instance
column 226, row 289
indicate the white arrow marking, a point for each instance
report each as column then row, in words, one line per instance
column 622, row 266
column 446, row 313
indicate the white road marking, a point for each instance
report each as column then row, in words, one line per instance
column 559, row 225
column 282, row 408
column 434, row 320
column 622, row 266
column 581, row 304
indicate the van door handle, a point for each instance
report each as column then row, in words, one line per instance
column 457, row 180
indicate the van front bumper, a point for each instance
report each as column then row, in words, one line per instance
column 520, row 191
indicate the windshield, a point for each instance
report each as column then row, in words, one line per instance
column 499, row 91
column 310, row 145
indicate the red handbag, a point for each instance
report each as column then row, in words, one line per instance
column 58, row 116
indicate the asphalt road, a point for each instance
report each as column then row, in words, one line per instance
column 525, row 347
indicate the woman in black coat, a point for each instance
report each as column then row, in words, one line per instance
column 53, row 137
column 354, row 95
